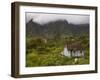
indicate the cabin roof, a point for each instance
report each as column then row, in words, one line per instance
column 74, row 46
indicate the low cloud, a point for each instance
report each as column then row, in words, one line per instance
column 43, row 18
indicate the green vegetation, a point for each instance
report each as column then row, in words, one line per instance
column 46, row 42
column 47, row 52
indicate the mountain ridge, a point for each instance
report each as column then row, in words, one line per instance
column 58, row 27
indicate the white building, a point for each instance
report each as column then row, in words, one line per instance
column 68, row 53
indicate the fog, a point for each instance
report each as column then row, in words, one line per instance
column 43, row 18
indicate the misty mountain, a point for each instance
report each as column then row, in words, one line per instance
column 56, row 28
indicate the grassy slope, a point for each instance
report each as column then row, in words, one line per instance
column 40, row 53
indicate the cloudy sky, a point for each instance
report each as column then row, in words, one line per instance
column 43, row 18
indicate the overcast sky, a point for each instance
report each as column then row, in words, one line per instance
column 43, row 18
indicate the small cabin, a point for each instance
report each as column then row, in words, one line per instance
column 73, row 50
